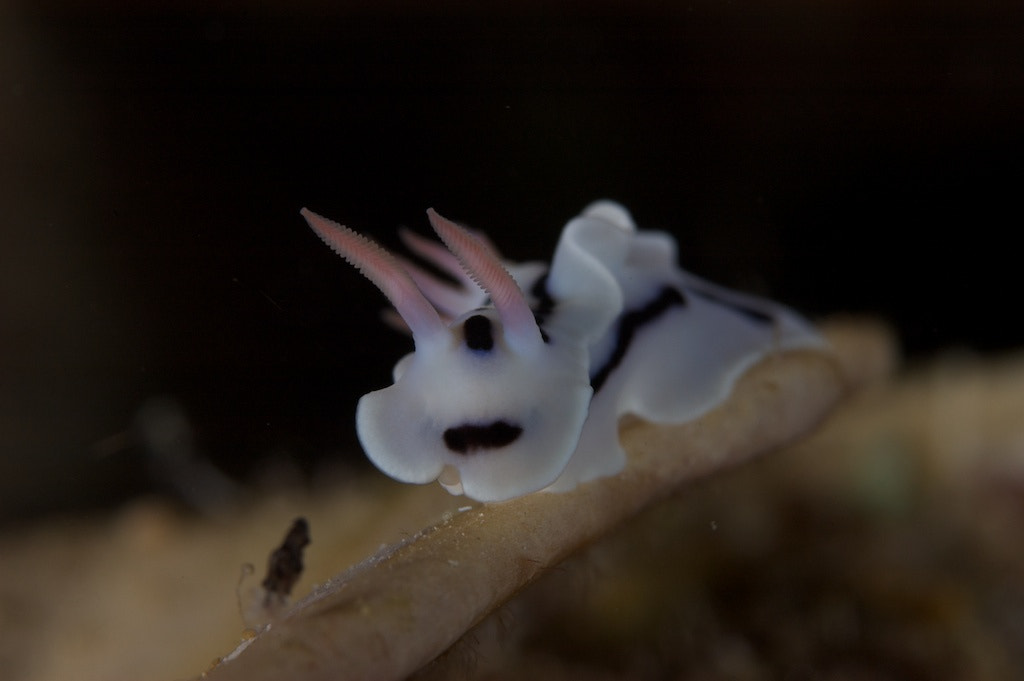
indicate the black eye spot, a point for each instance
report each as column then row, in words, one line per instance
column 468, row 438
column 479, row 335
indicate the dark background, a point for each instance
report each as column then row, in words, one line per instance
column 857, row 157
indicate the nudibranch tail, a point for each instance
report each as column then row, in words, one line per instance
column 381, row 268
column 481, row 262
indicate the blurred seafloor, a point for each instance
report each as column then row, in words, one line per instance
column 883, row 546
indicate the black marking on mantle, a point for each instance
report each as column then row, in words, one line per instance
column 469, row 438
column 630, row 324
column 478, row 332
column 545, row 304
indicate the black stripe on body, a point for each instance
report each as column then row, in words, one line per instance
column 630, row 324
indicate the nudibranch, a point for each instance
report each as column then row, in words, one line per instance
column 521, row 372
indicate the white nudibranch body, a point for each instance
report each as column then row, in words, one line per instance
column 521, row 372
